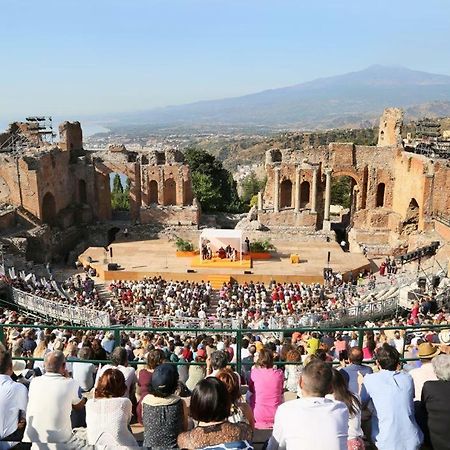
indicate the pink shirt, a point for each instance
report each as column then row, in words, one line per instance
column 266, row 394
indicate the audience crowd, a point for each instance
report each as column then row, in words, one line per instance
column 253, row 304
column 291, row 390
column 321, row 390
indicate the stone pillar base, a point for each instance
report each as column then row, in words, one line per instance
column 326, row 225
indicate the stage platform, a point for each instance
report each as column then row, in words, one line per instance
column 218, row 263
column 140, row 259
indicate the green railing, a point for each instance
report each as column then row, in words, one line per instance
column 237, row 332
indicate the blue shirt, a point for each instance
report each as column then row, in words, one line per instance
column 352, row 370
column 393, row 424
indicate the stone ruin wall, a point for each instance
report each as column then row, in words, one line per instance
column 405, row 176
column 64, row 185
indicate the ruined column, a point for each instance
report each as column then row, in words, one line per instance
column 181, row 189
column 260, row 201
column 297, row 190
column 327, row 194
column 314, row 191
column 276, row 190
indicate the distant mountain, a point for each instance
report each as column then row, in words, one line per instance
column 353, row 99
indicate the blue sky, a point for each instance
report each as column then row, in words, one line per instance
column 78, row 57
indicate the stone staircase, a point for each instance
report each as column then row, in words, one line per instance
column 28, row 216
column 218, row 280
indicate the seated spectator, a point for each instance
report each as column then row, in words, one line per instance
column 392, row 392
column 248, row 362
column 369, row 346
column 240, row 410
column 98, row 352
column 265, row 389
column 119, row 360
column 197, row 373
column 165, row 414
column 183, row 369
column 218, row 360
column 83, row 372
column 155, row 357
column 210, row 407
column 50, row 401
column 355, row 357
column 108, row 342
column 436, row 404
column 312, row 422
column 341, row 393
column 108, row 414
column 293, row 371
column 13, row 403
column 426, row 371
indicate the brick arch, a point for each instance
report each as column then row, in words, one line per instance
column 153, row 192
column 170, row 192
column 348, row 173
column 49, row 209
column 286, row 193
column 359, row 201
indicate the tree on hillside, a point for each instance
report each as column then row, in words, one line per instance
column 251, row 185
column 341, row 191
column 120, row 197
column 213, row 185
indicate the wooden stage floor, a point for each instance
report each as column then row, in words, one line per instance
column 139, row 259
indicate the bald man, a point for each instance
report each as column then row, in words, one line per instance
column 50, row 402
column 355, row 367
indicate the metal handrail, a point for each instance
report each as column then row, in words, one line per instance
column 59, row 311
column 239, row 332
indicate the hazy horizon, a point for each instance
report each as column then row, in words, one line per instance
column 78, row 59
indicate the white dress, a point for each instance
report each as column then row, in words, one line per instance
column 107, row 422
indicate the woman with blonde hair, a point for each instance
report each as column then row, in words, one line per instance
column 39, row 352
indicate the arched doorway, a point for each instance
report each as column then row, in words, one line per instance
column 342, row 191
column 49, row 209
column 304, row 194
column 120, row 186
column 170, row 192
column 153, row 192
column 411, row 222
column 82, row 191
column 286, row 194
column 380, row 195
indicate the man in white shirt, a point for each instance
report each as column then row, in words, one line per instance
column 51, row 399
column 313, row 421
column 426, row 371
column 119, row 360
column 13, row 403
column 398, row 342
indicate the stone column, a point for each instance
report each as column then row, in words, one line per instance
column 180, row 187
column 327, row 194
column 297, row 190
column 314, row 191
column 276, row 190
column 260, row 201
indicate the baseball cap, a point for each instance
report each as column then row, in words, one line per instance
column 164, row 380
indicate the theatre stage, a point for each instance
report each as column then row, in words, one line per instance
column 139, row 259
